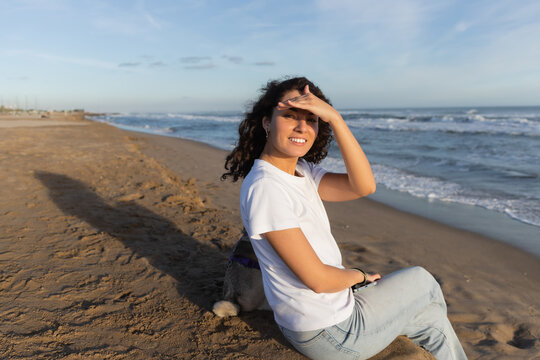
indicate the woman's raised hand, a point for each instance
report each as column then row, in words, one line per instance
column 308, row 101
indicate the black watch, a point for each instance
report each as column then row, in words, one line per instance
column 357, row 286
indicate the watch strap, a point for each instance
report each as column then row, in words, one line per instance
column 360, row 284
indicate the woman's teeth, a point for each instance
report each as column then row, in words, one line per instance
column 298, row 140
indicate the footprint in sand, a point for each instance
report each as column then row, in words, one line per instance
column 518, row 336
column 131, row 197
column 523, row 338
column 354, row 252
column 353, row 247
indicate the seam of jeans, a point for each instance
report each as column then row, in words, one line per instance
column 305, row 343
column 345, row 332
column 340, row 347
column 445, row 342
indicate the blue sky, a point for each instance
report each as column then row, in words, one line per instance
column 198, row 55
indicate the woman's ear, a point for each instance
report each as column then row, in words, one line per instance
column 266, row 123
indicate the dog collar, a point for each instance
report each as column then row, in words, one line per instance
column 245, row 261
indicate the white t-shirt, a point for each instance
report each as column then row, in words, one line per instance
column 270, row 200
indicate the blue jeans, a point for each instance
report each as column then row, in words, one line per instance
column 407, row 302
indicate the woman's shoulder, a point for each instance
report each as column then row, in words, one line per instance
column 258, row 174
column 257, row 171
column 308, row 165
column 261, row 183
column 311, row 169
column 304, row 164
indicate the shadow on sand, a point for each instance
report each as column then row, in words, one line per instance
column 154, row 237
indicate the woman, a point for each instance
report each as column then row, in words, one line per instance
column 281, row 140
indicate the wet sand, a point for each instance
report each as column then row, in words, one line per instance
column 113, row 245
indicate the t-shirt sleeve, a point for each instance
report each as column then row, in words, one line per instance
column 316, row 171
column 268, row 208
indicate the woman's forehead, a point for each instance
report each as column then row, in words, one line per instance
column 290, row 94
column 300, row 112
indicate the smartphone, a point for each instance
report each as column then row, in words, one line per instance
column 356, row 289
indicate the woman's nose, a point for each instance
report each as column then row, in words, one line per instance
column 301, row 125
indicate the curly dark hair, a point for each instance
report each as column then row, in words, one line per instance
column 252, row 137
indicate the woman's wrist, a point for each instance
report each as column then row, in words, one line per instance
column 335, row 120
column 365, row 280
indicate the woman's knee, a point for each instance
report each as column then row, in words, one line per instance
column 431, row 284
column 424, row 277
column 419, row 274
column 417, row 280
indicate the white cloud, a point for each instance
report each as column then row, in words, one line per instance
column 194, row 59
column 200, row 66
column 461, row 26
column 152, row 20
column 21, row 6
column 127, row 21
column 264, row 63
column 129, row 64
column 394, row 18
column 95, row 63
column 157, row 64
column 234, row 59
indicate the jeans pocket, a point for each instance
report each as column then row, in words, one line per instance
column 302, row 338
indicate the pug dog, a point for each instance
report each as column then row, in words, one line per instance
column 242, row 285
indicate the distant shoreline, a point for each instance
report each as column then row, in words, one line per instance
column 498, row 226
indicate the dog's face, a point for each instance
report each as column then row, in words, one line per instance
column 244, row 248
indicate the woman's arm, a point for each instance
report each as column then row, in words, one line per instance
column 294, row 249
column 359, row 180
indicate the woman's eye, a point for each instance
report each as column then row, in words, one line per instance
column 313, row 120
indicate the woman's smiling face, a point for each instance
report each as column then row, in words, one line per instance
column 291, row 132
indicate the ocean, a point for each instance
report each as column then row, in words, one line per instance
column 451, row 164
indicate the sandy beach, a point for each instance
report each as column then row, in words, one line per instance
column 113, row 245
